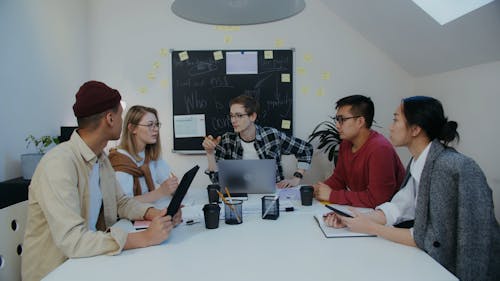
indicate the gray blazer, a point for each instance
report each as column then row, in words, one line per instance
column 454, row 219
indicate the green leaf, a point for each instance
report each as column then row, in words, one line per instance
column 42, row 143
column 328, row 137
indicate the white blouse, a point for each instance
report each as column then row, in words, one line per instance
column 402, row 206
column 160, row 171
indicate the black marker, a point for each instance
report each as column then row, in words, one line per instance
column 288, row 209
column 190, row 222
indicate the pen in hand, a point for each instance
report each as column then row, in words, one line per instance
column 217, row 145
column 338, row 212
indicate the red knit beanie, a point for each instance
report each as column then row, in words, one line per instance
column 95, row 97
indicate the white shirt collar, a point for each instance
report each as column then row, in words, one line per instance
column 417, row 165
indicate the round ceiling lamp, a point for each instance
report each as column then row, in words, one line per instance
column 236, row 12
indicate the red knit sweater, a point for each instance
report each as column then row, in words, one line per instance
column 368, row 177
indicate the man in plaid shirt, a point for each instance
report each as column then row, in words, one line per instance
column 250, row 141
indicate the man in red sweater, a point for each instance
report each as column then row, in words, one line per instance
column 368, row 171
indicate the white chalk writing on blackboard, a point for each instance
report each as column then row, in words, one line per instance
column 201, row 85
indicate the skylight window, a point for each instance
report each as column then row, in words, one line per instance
column 444, row 11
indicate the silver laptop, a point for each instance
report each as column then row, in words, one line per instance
column 248, row 176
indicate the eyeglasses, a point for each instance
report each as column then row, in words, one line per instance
column 341, row 119
column 151, row 126
column 237, row 116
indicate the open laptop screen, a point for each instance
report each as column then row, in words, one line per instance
column 248, row 176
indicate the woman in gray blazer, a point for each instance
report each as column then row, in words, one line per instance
column 445, row 193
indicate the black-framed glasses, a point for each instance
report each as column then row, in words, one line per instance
column 341, row 119
column 237, row 116
column 151, row 126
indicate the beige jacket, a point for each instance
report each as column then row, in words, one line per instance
column 58, row 210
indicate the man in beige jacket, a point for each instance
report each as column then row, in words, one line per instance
column 74, row 197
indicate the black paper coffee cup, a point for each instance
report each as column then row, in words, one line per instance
column 211, row 213
column 213, row 197
column 306, row 195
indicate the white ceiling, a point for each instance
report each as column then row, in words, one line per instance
column 418, row 43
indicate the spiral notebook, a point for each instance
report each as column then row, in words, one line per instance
column 331, row 232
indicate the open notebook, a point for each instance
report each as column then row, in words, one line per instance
column 331, row 232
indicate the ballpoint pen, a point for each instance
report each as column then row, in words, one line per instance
column 337, row 211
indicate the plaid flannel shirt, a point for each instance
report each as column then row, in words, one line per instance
column 269, row 144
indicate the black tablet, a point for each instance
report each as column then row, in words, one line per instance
column 181, row 191
column 338, row 212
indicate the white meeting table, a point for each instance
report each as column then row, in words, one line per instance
column 290, row 248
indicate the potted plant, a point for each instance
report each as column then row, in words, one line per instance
column 29, row 161
column 329, row 138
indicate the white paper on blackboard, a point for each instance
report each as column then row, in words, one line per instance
column 241, row 62
column 189, row 126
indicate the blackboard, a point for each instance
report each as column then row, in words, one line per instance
column 201, row 85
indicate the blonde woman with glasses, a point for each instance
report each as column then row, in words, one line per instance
column 137, row 160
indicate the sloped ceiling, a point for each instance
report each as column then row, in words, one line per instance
column 419, row 44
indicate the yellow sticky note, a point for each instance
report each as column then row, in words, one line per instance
column 304, row 90
column 285, row 124
column 218, row 55
column 301, row 70
column 279, row 43
column 325, row 75
column 228, row 39
column 156, row 65
column 163, row 52
column 308, row 57
column 320, row 92
column 183, row 56
column 268, row 55
column 164, row 83
column 227, row 27
column 285, row 77
column 143, row 90
column 151, row 75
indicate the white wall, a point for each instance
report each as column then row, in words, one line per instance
column 471, row 96
column 51, row 52
column 47, row 53
column 43, row 60
column 126, row 41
